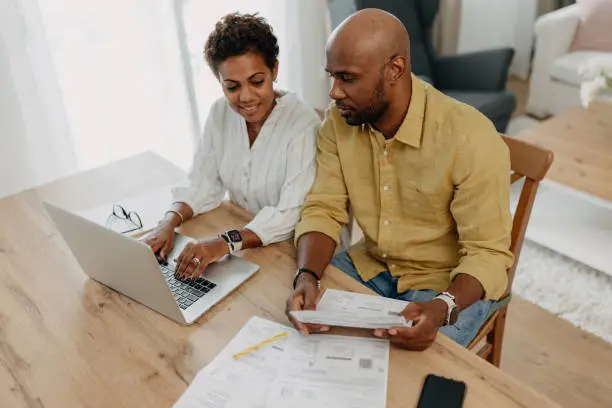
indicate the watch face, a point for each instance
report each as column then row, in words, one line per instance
column 234, row 236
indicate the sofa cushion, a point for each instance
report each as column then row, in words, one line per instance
column 595, row 28
column 565, row 68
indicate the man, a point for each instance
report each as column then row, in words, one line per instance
column 427, row 179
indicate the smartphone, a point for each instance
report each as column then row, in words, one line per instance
column 440, row 392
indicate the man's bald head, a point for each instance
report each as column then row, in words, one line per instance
column 371, row 34
column 368, row 55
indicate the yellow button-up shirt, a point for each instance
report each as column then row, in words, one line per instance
column 433, row 202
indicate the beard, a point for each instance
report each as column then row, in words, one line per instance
column 376, row 108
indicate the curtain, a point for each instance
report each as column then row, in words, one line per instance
column 85, row 83
column 488, row 24
column 446, row 27
column 35, row 141
column 307, row 27
column 122, row 76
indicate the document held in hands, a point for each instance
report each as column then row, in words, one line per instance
column 347, row 309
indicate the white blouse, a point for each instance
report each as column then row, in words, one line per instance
column 269, row 179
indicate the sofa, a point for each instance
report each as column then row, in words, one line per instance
column 555, row 79
column 477, row 79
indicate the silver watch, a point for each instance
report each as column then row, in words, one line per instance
column 452, row 312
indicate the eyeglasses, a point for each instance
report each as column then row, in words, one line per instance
column 123, row 221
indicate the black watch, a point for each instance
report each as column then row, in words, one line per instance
column 233, row 239
column 309, row 272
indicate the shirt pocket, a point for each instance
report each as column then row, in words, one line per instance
column 425, row 203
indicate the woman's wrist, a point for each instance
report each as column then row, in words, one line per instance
column 171, row 220
column 222, row 246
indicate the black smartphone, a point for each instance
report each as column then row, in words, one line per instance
column 440, row 392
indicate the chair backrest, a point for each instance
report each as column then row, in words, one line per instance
column 531, row 163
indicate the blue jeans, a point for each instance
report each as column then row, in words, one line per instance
column 468, row 322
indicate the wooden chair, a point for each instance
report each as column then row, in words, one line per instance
column 530, row 162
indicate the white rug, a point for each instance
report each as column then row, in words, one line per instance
column 519, row 124
column 569, row 289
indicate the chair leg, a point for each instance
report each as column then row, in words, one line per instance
column 496, row 338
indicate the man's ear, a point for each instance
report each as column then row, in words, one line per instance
column 396, row 68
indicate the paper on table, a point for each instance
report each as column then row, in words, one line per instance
column 336, row 371
column 243, row 382
column 295, row 371
column 347, row 309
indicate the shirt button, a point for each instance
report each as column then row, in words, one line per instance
column 386, row 153
column 386, row 188
column 386, row 222
column 384, row 255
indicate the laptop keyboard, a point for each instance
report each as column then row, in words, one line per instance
column 186, row 291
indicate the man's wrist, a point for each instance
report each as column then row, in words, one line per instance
column 441, row 310
column 305, row 277
column 304, row 273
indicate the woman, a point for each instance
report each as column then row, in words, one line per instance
column 259, row 144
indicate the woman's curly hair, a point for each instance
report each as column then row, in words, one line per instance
column 236, row 34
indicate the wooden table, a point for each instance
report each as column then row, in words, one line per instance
column 67, row 341
column 581, row 140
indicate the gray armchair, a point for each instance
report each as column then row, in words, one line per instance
column 477, row 79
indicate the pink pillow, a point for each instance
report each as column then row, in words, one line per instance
column 595, row 28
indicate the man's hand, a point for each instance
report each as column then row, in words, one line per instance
column 427, row 318
column 205, row 252
column 304, row 297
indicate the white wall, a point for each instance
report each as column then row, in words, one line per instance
column 489, row 24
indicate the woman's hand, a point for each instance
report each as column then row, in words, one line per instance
column 161, row 240
column 196, row 256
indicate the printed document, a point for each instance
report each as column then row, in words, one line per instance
column 335, row 371
column 292, row 371
column 348, row 309
column 243, row 382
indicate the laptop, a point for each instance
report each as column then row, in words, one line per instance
column 130, row 267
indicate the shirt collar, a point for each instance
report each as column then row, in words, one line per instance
column 411, row 129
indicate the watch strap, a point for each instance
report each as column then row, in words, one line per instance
column 309, row 272
column 234, row 246
column 449, row 299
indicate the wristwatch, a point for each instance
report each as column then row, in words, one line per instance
column 452, row 312
column 233, row 239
